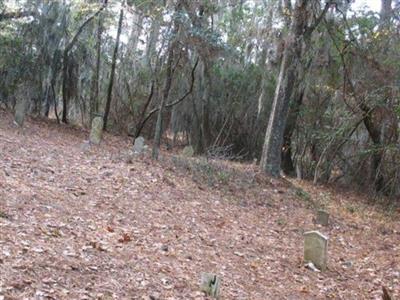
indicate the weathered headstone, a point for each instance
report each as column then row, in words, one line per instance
column 188, row 151
column 96, row 130
column 138, row 146
column 24, row 92
column 316, row 249
column 210, row 284
column 20, row 110
column 322, row 218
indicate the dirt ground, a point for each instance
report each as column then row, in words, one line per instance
column 91, row 222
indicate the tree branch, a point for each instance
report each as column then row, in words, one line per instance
column 177, row 101
column 73, row 40
column 142, row 119
column 311, row 28
column 16, row 15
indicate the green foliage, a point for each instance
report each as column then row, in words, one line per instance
column 397, row 110
column 238, row 41
column 4, row 215
column 281, row 221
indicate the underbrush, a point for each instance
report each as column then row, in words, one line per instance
column 214, row 173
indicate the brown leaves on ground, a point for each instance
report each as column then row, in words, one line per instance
column 78, row 222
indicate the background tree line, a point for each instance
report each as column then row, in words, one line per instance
column 307, row 87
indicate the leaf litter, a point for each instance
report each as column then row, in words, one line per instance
column 82, row 223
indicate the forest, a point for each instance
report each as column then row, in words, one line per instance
column 309, row 88
column 266, row 112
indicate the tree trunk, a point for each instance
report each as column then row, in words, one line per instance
column 113, row 65
column 287, row 84
column 167, row 86
column 286, row 154
column 271, row 156
column 94, row 93
column 152, row 41
column 65, row 96
column 386, row 12
column 206, row 105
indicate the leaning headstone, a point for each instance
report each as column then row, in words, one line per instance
column 210, row 284
column 96, row 130
column 138, row 146
column 20, row 110
column 188, row 151
column 316, row 249
column 322, row 218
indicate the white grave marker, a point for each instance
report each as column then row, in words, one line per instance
column 315, row 249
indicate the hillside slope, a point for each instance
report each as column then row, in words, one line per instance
column 79, row 222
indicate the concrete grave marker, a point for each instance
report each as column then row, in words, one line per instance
column 138, row 146
column 316, row 249
column 322, row 217
column 21, row 107
column 210, row 284
column 96, row 130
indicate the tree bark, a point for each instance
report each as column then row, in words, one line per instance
column 167, row 86
column 113, row 65
column 289, row 77
column 286, row 154
column 206, row 105
column 94, row 93
column 151, row 42
column 271, row 156
column 386, row 12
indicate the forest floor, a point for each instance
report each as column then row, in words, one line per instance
column 94, row 222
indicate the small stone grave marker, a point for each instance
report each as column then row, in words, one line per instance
column 210, row 284
column 315, row 249
column 138, row 146
column 188, row 151
column 322, row 217
column 20, row 110
column 96, row 130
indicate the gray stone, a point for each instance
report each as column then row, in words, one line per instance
column 138, row 146
column 316, row 249
column 20, row 111
column 97, row 130
column 210, row 284
column 188, row 151
column 322, row 218
column 85, row 146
